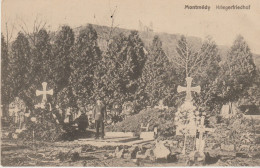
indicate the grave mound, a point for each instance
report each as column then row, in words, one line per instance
column 163, row 119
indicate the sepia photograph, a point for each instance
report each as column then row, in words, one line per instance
column 130, row 83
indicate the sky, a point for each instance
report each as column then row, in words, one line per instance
column 166, row 15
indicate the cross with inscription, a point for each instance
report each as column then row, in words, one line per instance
column 188, row 89
column 44, row 92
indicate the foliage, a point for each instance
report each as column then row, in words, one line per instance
column 237, row 72
column 62, row 49
column 5, row 63
column 20, row 68
column 253, row 93
column 20, row 64
column 158, row 77
column 86, row 56
column 203, row 66
column 117, row 75
column 235, row 130
column 45, row 128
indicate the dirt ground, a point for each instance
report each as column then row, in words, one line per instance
column 17, row 153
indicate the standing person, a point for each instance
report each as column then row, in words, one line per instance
column 100, row 115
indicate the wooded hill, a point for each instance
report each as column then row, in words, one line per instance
column 169, row 41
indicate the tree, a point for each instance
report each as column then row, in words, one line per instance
column 254, row 91
column 62, row 51
column 158, row 75
column 202, row 65
column 32, row 34
column 41, row 69
column 5, row 63
column 237, row 72
column 20, row 66
column 86, row 57
column 121, row 69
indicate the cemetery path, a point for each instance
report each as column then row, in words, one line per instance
column 70, row 153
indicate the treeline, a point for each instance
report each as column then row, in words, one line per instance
column 79, row 72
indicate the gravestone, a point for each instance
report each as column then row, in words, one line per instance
column 68, row 116
column 127, row 109
column 228, row 110
column 17, row 111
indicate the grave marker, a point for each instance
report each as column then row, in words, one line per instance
column 17, row 111
column 44, row 92
column 161, row 106
column 185, row 117
column 188, row 89
column 143, row 127
column 200, row 143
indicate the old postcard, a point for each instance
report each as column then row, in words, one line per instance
column 129, row 83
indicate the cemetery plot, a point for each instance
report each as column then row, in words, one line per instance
column 60, row 87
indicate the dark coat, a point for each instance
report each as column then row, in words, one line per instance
column 99, row 112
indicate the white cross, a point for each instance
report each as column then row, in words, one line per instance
column 202, row 129
column 161, row 106
column 188, row 89
column 44, row 92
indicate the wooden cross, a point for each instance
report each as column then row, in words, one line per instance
column 188, row 89
column 44, row 92
column 202, row 129
column 145, row 128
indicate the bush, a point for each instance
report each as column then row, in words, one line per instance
column 235, row 130
column 45, row 128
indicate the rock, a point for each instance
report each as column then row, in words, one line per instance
column 172, row 158
column 127, row 156
column 254, row 148
column 120, row 153
column 132, row 151
column 14, row 136
column 75, row 157
column 78, row 149
column 112, row 155
column 148, row 154
column 134, row 160
column 228, row 147
column 139, row 155
column 117, row 149
column 160, row 151
column 244, row 148
column 242, row 155
column 196, row 158
column 211, row 159
column 140, row 147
